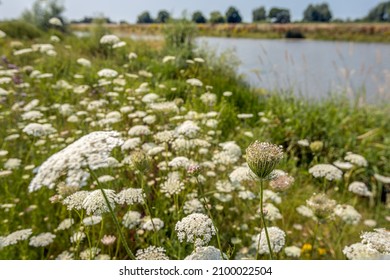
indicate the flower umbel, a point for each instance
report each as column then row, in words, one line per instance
column 262, row 157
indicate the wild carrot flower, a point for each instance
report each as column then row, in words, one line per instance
column 360, row 251
column 130, row 196
column 359, row 188
column 195, row 228
column 206, row 253
column 356, row 159
column 108, row 240
column 95, row 203
column 263, row 157
column 92, row 220
column 382, row 179
column 172, row 185
column 327, row 171
column 131, row 219
column 55, row 21
column 277, row 239
column 292, row 251
column 151, row 253
column 16, row 236
column 321, row 205
column 92, row 150
column 348, row 214
column 109, row 39
column 152, row 224
column 281, row 183
column 42, row 239
column 75, row 201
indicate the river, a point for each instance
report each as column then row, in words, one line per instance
column 313, row 69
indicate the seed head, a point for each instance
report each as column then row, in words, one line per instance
column 262, row 157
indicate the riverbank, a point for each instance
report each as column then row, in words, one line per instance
column 356, row 32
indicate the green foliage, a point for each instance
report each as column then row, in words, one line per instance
column 233, row 15
column 42, row 11
column 198, row 17
column 216, row 17
column 381, row 13
column 20, row 29
column 279, row 15
column 145, row 18
column 180, row 35
column 163, row 17
column 259, row 14
column 294, row 34
column 317, row 13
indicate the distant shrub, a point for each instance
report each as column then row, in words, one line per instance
column 20, row 29
column 180, row 35
column 294, row 34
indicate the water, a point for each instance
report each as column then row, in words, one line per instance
column 313, row 69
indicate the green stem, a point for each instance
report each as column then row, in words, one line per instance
column 211, row 217
column 314, row 239
column 128, row 251
column 147, row 209
column 263, row 221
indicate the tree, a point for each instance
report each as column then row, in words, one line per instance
column 198, row 17
column 163, row 16
column 144, row 18
column 217, row 17
column 317, row 13
column 380, row 13
column 279, row 15
column 233, row 15
column 42, row 11
column 259, row 14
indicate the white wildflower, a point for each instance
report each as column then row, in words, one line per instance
column 194, row 82
column 277, row 240
column 356, row 159
column 172, row 185
column 292, row 251
column 39, row 130
column 131, row 219
column 130, row 196
column 109, row 39
column 42, row 240
column 84, row 62
column 348, row 214
column 359, row 188
column 195, row 228
column 91, row 151
column 107, row 73
column 95, row 202
column 206, row 253
column 326, row 171
column 92, row 220
column 55, row 21
column 152, row 224
column 151, row 253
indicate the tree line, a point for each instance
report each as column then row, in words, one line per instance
column 313, row 13
column 43, row 10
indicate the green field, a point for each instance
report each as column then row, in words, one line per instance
column 168, row 130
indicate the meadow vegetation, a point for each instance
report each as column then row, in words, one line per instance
column 119, row 149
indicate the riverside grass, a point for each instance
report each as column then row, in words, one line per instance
column 203, row 145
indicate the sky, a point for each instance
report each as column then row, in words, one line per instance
column 128, row 10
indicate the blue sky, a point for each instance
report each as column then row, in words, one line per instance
column 129, row 9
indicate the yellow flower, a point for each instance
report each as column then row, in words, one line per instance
column 306, row 248
column 321, row 251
